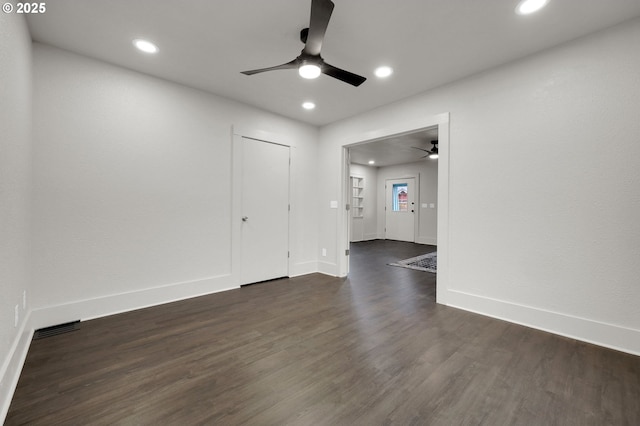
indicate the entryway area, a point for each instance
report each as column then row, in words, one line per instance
column 394, row 185
column 400, row 209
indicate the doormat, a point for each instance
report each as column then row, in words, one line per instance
column 426, row 262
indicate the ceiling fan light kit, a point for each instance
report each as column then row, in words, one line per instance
column 431, row 153
column 309, row 63
column 309, row 71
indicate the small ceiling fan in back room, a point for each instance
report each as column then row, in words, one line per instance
column 310, row 64
column 433, row 153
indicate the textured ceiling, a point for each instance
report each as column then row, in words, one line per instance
column 205, row 44
column 395, row 150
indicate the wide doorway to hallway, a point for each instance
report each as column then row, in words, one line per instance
column 394, row 190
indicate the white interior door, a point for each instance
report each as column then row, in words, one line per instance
column 264, row 252
column 400, row 209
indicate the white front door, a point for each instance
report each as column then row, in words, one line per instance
column 400, row 209
column 264, row 252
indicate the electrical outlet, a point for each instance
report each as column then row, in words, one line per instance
column 324, row 252
column 24, row 299
column 17, row 316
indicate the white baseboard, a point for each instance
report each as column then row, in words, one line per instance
column 598, row 333
column 124, row 302
column 12, row 366
column 303, row 268
column 328, row 268
column 427, row 240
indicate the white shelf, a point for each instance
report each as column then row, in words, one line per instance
column 357, row 197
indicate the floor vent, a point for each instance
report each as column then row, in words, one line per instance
column 54, row 330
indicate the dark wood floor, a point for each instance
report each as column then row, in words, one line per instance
column 373, row 349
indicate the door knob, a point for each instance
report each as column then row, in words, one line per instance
column 245, row 218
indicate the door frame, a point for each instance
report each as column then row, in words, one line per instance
column 399, row 128
column 416, row 215
column 239, row 132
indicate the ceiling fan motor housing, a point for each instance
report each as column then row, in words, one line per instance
column 304, row 33
column 312, row 37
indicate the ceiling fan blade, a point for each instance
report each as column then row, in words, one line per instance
column 320, row 14
column 289, row 65
column 421, row 149
column 342, row 75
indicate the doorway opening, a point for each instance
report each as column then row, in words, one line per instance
column 395, row 186
column 393, row 157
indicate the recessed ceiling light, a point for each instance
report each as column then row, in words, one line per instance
column 383, row 72
column 525, row 7
column 372, row 162
column 309, row 71
column 308, row 105
column 145, row 46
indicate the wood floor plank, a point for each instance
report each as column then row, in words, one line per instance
column 372, row 349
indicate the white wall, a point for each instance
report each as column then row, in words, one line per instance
column 132, row 198
column 15, row 183
column 543, row 187
column 427, row 172
column 366, row 228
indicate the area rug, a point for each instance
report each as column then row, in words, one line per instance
column 426, row 262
